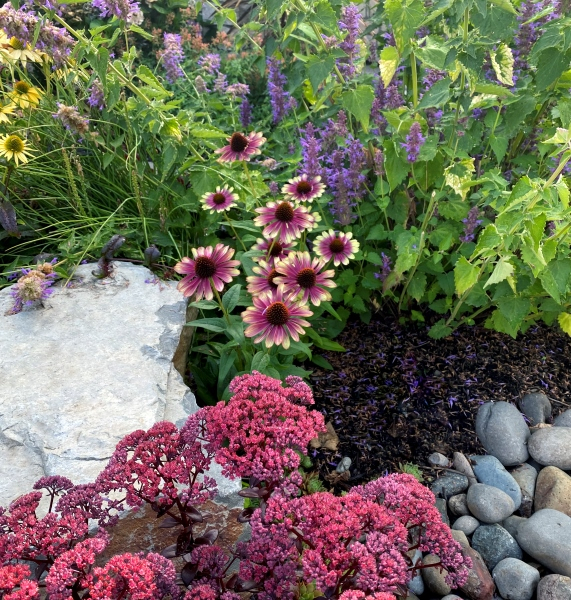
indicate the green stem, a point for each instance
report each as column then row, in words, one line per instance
column 414, row 80
column 224, row 312
column 235, row 233
column 247, row 171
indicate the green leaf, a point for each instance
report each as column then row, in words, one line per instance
column 550, row 65
column 260, row 361
column 373, row 257
column 231, row 297
column 465, row 275
column 405, row 17
column 396, row 168
column 207, row 131
column 359, row 102
column 437, row 95
column 502, row 270
column 505, row 5
column 564, row 320
column 325, row 15
column 503, row 64
column 273, row 8
column 499, row 145
column 433, row 53
column 488, row 239
column 550, row 285
column 514, row 309
column 417, row 286
column 139, row 30
column 439, row 330
column 322, row 362
column 226, row 363
column 204, row 304
column 388, row 63
column 493, row 89
column 318, row 70
column 211, row 324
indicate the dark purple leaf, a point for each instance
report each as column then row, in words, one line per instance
column 246, row 515
column 188, row 573
column 232, row 582
column 170, row 551
column 244, row 586
column 252, row 492
column 202, row 541
column 169, row 522
column 8, row 218
column 211, row 535
column 194, row 514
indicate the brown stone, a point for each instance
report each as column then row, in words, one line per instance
column 480, row 585
column 139, row 531
column 328, row 440
column 553, row 490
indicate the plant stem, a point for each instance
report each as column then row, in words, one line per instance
column 247, row 171
column 414, row 80
column 235, row 233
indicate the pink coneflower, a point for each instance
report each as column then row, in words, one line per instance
column 275, row 319
column 220, row 200
column 299, row 274
column 263, row 281
column 273, row 249
column 241, row 147
column 285, row 221
column 304, row 188
column 210, row 266
column 337, row 246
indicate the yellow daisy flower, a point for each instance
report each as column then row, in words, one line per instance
column 15, row 50
column 5, row 110
column 14, row 148
column 24, row 95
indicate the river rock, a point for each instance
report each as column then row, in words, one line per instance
column 554, row 587
column 551, row 447
column 441, row 506
column 546, row 536
column 467, row 524
column 489, row 504
column 536, row 407
column 489, row 470
column 438, row 460
column 343, row 465
column 458, row 505
column 434, row 577
column 460, row 537
column 503, row 432
column 494, row 543
column 526, row 476
column 91, row 367
column 416, row 584
column 515, row 579
column 450, row 485
column 553, row 490
column 563, row 420
column 451, row 597
column 480, row 585
column 462, row 464
column 512, row 523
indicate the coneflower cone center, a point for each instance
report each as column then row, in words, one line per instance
column 306, row 278
column 22, row 87
column 270, row 279
column 304, row 187
column 277, row 314
column 14, row 144
column 17, row 44
column 275, row 249
column 219, row 198
column 238, row 142
column 336, row 246
column 284, row 212
column 204, row 267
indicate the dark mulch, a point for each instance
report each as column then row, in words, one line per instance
column 396, row 395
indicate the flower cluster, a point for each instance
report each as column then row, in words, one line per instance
column 96, row 95
column 281, row 100
column 172, row 56
column 260, row 432
column 350, row 23
column 33, row 285
column 210, row 63
column 414, row 142
column 471, row 222
column 71, row 119
column 125, row 10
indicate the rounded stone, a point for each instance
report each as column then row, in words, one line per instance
column 494, row 543
column 546, row 536
column 450, row 484
column 503, row 432
column 434, row 578
column 441, row 506
column 515, row 579
column 551, row 447
column 489, row 470
column 343, row 465
column 563, row 420
column 438, row 460
column 451, row 597
column 553, row 490
column 462, row 465
column 416, row 584
column 489, row 504
column 467, row 524
column 526, row 476
column 458, row 505
column 512, row 523
column 536, row 407
column 554, row 587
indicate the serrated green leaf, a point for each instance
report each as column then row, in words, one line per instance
column 465, row 275
column 550, row 65
column 417, row 286
column 231, row 297
column 405, row 17
column 388, row 64
column 260, row 361
column 318, row 70
column 438, row 95
column 505, row 5
column 564, row 320
column 439, row 330
column 359, row 102
column 503, row 64
column 502, row 271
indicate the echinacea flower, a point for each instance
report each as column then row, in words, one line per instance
column 263, row 281
column 241, row 147
column 274, row 249
column 209, row 267
column 284, row 220
column 220, row 200
column 5, row 110
column 302, row 275
column 275, row 319
column 337, row 246
column 24, row 95
column 16, row 50
column 304, row 188
column 13, row 147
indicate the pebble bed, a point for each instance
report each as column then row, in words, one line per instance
column 509, row 509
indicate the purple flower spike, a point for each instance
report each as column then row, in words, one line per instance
column 282, row 102
column 471, row 222
column 414, row 141
column 172, row 56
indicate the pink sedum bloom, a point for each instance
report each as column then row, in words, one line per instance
column 285, row 221
column 304, row 188
column 220, row 200
column 241, row 147
column 275, row 319
column 209, row 267
column 263, row 281
column 301, row 276
column 339, row 247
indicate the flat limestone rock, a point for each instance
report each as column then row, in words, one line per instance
column 84, row 371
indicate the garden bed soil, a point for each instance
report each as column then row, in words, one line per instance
column 396, row 395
